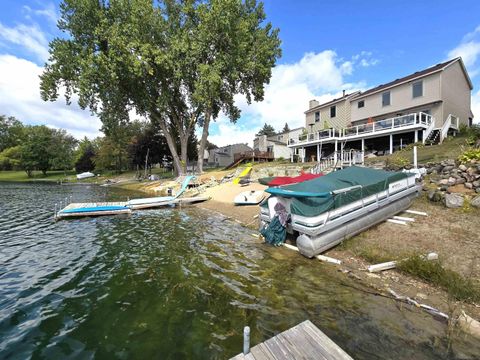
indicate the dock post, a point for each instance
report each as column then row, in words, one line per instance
column 246, row 340
column 415, row 163
column 55, row 213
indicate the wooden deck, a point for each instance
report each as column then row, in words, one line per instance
column 179, row 201
column 303, row 341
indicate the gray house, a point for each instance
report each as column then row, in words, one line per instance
column 424, row 106
column 225, row 155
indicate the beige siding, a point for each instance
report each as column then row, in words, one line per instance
column 456, row 93
column 400, row 99
column 340, row 121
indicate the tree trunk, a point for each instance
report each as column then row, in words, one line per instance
column 184, row 150
column 171, row 146
column 203, row 142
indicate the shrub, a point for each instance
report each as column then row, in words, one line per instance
column 469, row 156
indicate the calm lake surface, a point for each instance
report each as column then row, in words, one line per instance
column 178, row 284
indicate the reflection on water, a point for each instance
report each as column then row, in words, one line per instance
column 177, row 284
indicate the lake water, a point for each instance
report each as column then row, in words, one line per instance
column 178, row 284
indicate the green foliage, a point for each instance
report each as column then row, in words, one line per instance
column 326, row 125
column 62, row 150
column 469, row 155
column 10, row 158
column 11, row 132
column 396, row 161
column 286, row 128
column 179, row 63
column 267, row 130
column 84, row 156
column 456, row 285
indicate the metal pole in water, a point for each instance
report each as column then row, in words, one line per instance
column 246, row 340
column 55, row 213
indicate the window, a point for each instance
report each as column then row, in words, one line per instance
column 317, row 116
column 417, row 89
column 386, row 98
column 361, row 104
column 333, row 111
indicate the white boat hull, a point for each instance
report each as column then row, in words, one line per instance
column 249, row 197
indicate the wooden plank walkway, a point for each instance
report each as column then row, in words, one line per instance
column 74, row 206
column 303, row 341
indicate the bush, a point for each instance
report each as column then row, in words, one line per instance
column 469, row 156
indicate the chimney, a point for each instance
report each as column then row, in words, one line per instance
column 312, row 104
column 343, row 93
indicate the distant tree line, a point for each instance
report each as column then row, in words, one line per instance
column 40, row 148
column 269, row 130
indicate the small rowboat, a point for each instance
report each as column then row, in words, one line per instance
column 249, row 197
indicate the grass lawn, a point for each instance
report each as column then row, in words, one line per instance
column 451, row 148
column 37, row 176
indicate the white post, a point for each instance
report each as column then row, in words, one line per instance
column 246, row 340
column 415, row 139
column 423, row 136
column 292, row 150
column 335, row 156
column 303, row 154
column 363, row 145
column 415, row 157
column 391, row 144
column 318, row 152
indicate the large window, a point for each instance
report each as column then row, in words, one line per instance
column 386, row 98
column 361, row 104
column 333, row 111
column 417, row 89
column 317, row 116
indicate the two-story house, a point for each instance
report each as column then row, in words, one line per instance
column 423, row 106
column 276, row 145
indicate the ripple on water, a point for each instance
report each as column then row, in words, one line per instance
column 175, row 283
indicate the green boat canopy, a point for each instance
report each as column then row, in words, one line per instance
column 336, row 189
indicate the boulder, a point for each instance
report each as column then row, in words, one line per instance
column 451, row 181
column 468, row 185
column 443, row 182
column 435, row 196
column 448, row 168
column 453, row 200
column 475, row 202
column 476, row 184
column 462, row 167
column 461, row 181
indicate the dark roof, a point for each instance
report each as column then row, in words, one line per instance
column 415, row 75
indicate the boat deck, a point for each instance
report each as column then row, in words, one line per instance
column 303, row 341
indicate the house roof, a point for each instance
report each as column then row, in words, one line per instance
column 417, row 75
column 331, row 102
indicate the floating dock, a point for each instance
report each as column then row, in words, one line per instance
column 116, row 208
column 303, row 341
column 93, row 209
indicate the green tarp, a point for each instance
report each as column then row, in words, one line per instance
column 313, row 197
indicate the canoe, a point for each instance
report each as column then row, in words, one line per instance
column 251, row 197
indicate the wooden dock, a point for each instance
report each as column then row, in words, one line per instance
column 303, row 341
column 179, row 201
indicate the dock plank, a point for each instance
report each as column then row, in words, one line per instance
column 303, row 341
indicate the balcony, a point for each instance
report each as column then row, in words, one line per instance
column 414, row 120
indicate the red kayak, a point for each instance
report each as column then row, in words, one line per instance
column 287, row 180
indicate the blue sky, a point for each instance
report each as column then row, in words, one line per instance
column 327, row 46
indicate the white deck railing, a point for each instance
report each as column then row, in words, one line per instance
column 451, row 122
column 420, row 119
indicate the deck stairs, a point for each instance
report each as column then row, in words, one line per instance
column 338, row 160
column 434, row 137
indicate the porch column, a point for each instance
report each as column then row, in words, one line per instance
column 391, row 144
column 303, row 154
column 335, row 156
column 415, row 139
column 363, row 145
column 423, row 137
column 318, row 152
column 292, row 150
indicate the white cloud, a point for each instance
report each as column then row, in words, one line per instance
column 469, row 50
column 20, row 97
column 29, row 37
column 49, row 12
column 316, row 75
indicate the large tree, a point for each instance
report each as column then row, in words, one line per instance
column 176, row 62
column 12, row 132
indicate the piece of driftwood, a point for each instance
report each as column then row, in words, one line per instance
column 397, row 222
column 393, row 264
column 319, row 257
column 403, row 218
column 421, row 213
column 427, row 308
